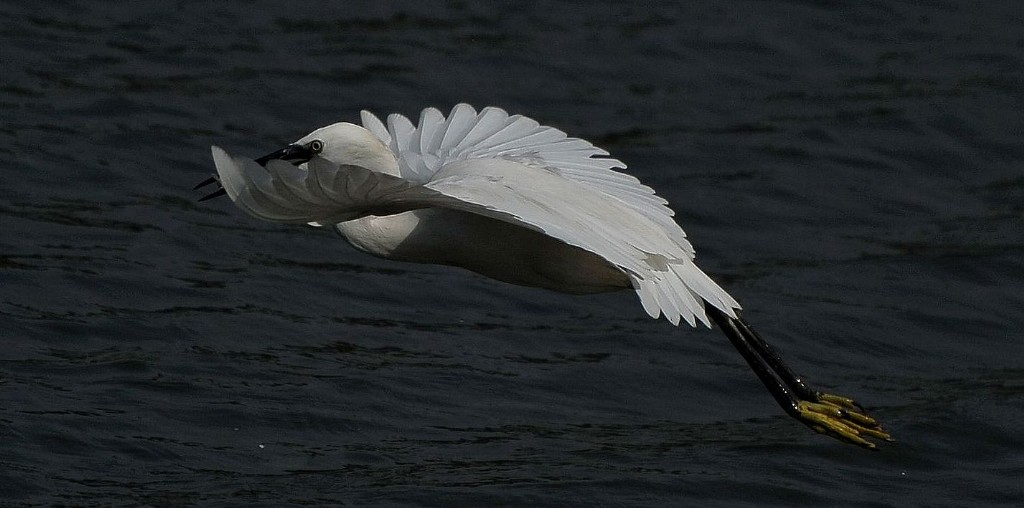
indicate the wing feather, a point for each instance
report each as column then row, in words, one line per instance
column 538, row 137
column 324, row 192
column 460, row 121
column 374, row 125
column 659, row 264
column 515, row 128
column 488, row 121
column 576, row 215
column 431, row 121
column 401, row 130
column 466, row 134
column 705, row 288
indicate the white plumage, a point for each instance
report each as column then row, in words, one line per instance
column 519, row 202
column 498, row 194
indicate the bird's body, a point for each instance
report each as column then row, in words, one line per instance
column 490, row 247
column 516, row 201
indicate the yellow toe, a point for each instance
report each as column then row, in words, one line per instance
column 836, row 417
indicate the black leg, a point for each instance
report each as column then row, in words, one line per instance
column 765, row 372
column 793, row 381
column 836, row 416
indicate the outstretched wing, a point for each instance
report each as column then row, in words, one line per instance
column 423, row 149
column 660, row 268
column 323, row 192
column 658, row 264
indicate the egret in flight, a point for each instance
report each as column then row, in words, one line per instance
column 519, row 202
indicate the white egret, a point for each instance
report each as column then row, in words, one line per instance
column 508, row 198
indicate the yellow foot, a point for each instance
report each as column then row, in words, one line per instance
column 841, row 418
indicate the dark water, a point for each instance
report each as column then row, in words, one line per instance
column 854, row 174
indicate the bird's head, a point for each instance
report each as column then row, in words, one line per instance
column 341, row 143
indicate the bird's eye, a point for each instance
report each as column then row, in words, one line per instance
column 316, row 146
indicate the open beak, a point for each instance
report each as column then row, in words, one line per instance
column 294, row 153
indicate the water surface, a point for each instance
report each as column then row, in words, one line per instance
column 852, row 174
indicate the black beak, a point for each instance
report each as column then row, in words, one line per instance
column 296, row 154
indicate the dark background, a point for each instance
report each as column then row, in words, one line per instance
column 850, row 171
